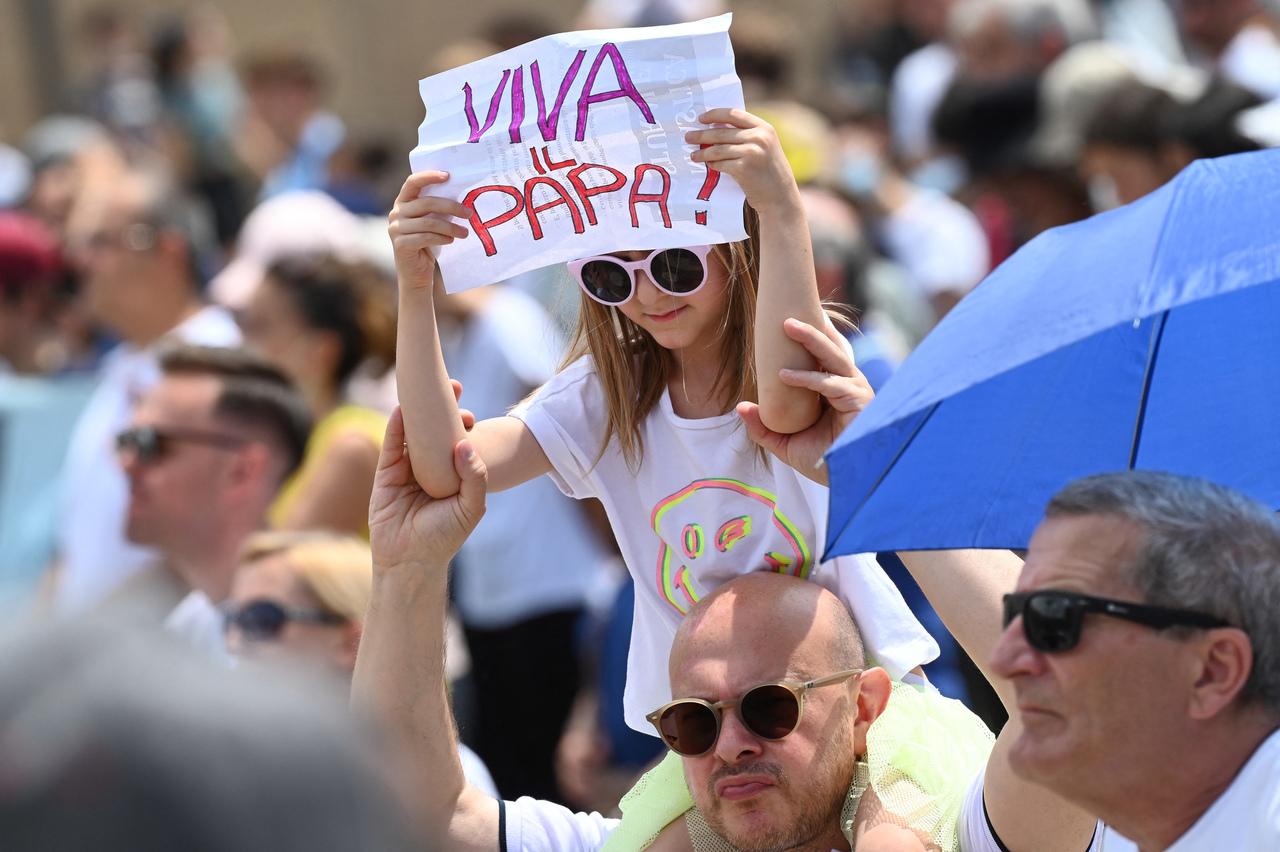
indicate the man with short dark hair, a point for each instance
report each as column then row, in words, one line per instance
column 137, row 257
column 1144, row 648
column 205, row 453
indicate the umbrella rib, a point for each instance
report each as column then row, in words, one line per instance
column 888, row 467
column 1156, row 334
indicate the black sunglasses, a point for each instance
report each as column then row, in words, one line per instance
column 151, row 444
column 691, row 726
column 262, row 620
column 1051, row 619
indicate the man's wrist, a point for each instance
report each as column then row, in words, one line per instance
column 427, row 572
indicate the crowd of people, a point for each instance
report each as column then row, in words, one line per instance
column 255, row 459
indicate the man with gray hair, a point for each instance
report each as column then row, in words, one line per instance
column 1007, row 39
column 1143, row 645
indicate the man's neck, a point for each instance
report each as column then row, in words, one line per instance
column 1192, row 782
column 147, row 329
column 209, row 565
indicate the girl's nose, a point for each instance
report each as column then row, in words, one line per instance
column 646, row 292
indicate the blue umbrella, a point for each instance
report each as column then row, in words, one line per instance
column 1146, row 337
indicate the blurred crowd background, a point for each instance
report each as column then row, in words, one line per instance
column 179, row 176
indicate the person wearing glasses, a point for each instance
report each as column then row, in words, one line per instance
column 774, row 727
column 204, row 455
column 299, row 601
column 137, row 254
column 700, row 389
column 299, row 596
column 1143, row 645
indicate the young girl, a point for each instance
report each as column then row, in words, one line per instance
column 686, row 362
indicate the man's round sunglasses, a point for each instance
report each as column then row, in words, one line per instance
column 1052, row 619
column 263, row 620
column 691, row 726
column 150, row 444
column 612, row 281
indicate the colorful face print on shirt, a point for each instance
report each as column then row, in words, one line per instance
column 717, row 529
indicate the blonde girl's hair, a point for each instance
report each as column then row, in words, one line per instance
column 336, row 569
column 634, row 369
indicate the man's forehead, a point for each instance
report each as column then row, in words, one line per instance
column 1087, row 553
column 717, row 679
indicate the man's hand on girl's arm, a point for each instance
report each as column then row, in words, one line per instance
column 844, row 391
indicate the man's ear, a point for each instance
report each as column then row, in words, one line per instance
column 173, row 246
column 253, row 466
column 1225, row 659
column 873, row 696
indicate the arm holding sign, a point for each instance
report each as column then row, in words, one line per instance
column 748, row 150
column 432, row 424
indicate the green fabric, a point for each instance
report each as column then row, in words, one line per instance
column 924, row 752
column 658, row 798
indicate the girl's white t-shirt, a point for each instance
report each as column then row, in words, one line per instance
column 702, row 508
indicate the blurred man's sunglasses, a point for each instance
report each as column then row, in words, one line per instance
column 1052, row 619
column 263, row 620
column 771, row 711
column 150, row 444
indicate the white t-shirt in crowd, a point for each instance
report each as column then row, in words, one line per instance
column 95, row 556
column 939, row 241
column 533, row 552
column 536, row 825
column 199, row 623
column 1252, row 60
column 1245, row 818
column 919, row 83
column 701, row 509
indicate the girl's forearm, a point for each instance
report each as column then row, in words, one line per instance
column 788, row 288
column 432, row 424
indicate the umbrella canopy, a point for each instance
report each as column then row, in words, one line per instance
column 1145, row 337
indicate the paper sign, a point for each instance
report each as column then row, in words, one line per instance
column 573, row 145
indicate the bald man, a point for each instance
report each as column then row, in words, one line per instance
column 780, row 789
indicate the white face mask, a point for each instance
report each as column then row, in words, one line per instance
column 1103, row 194
column 861, row 172
column 945, row 174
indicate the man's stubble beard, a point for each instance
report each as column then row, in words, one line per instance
column 810, row 814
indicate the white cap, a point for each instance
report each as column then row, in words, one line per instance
column 15, row 176
column 286, row 225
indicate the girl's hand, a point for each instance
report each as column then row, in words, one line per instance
column 845, row 392
column 418, row 225
column 747, row 150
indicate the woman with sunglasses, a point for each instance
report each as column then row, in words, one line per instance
column 688, row 367
column 299, row 599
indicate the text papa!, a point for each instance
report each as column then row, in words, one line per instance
column 570, row 189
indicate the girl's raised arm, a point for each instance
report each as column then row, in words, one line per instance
column 432, row 424
column 748, row 151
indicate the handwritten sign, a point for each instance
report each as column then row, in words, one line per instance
column 573, row 145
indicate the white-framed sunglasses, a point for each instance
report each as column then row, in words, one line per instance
column 611, row 281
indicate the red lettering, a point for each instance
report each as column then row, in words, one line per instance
column 531, row 210
column 659, row 198
column 586, row 192
column 483, row 226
